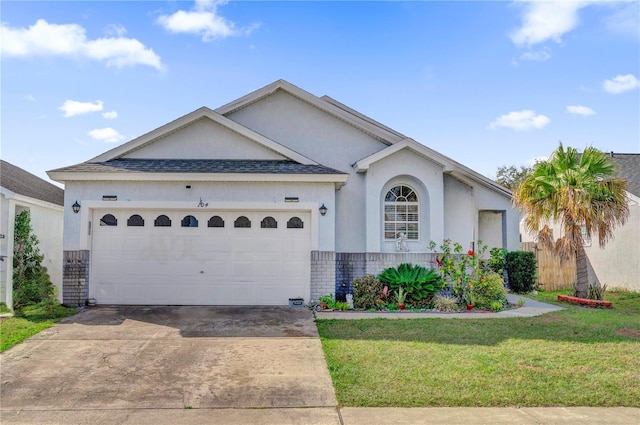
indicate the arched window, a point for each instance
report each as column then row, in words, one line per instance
column 295, row 223
column 108, row 220
column 162, row 221
column 242, row 221
column 189, row 221
column 215, row 221
column 135, row 220
column 401, row 210
column 269, row 223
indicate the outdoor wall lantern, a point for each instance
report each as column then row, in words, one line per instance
column 76, row 207
column 323, row 210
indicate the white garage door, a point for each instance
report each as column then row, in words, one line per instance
column 200, row 257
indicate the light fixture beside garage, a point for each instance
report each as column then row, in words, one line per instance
column 323, row 210
column 76, row 207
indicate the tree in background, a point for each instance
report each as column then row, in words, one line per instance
column 579, row 192
column 511, row 176
column 31, row 282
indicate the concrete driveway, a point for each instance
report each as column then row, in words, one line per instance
column 169, row 358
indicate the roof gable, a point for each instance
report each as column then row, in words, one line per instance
column 204, row 139
column 24, row 183
column 451, row 167
column 326, row 104
column 129, row 148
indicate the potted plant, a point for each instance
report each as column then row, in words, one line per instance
column 469, row 299
column 327, row 301
column 401, row 296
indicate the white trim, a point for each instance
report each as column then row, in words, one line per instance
column 190, row 118
column 63, row 176
column 449, row 166
column 88, row 208
column 354, row 120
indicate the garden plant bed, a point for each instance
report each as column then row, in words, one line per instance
column 584, row 301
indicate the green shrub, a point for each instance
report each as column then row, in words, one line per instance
column 445, row 303
column 521, row 269
column 596, row 291
column 419, row 283
column 31, row 282
column 488, row 290
column 366, row 292
column 497, row 259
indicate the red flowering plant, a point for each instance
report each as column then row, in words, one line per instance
column 461, row 271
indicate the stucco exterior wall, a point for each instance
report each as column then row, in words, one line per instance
column 490, row 228
column 425, row 177
column 327, row 140
column 204, row 139
column 269, row 195
column 460, row 217
column 618, row 264
column 46, row 221
column 486, row 199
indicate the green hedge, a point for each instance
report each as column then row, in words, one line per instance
column 521, row 269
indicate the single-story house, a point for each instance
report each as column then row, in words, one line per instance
column 279, row 194
column 617, row 264
column 19, row 191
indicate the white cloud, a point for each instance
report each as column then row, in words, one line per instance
column 520, row 120
column 204, row 20
column 546, row 20
column 30, row 98
column 625, row 20
column 72, row 108
column 621, row 84
column 108, row 135
column 70, row 40
column 110, row 115
column 580, row 110
column 537, row 56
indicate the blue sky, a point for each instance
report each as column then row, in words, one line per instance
column 485, row 83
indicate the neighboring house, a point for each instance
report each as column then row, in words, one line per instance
column 279, row 194
column 20, row 190
column 618, row 264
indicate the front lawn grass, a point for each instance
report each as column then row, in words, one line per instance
column 30, row 321
column 576, row 357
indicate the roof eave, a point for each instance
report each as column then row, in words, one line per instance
column 67, row 176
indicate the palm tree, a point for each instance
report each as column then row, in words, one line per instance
column 579, row 192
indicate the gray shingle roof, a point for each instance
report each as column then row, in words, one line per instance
column 628, row 168
column 242, row 166
column 24, row 183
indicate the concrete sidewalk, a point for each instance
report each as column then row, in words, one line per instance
column 531, row 308
column 334, row 416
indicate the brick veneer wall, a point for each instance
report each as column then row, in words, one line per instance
column 334, row 273
column 323, row 273
column 75, row 277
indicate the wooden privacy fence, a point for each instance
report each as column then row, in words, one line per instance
column 552, row 273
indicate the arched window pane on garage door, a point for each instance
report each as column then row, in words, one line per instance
column 162, row 221
column 295, row 223
column 215, row 221
column 189, row 221
column 242, row 221
column 108, row 220
column 135, row 220
column 269, row 223
column 401, row 210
